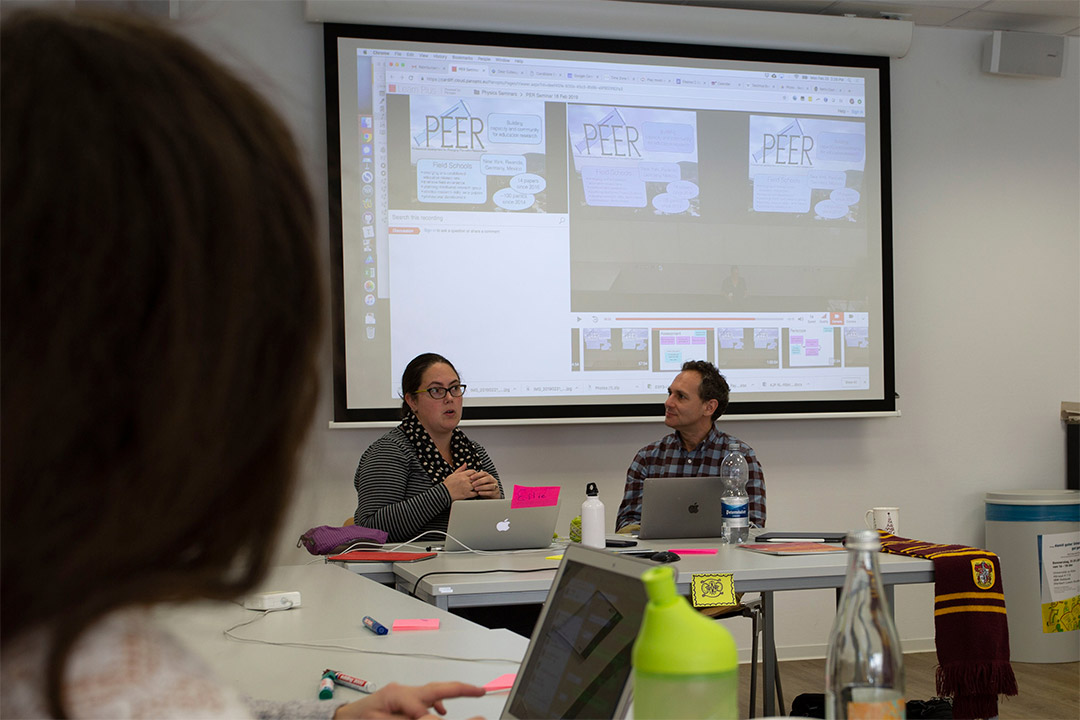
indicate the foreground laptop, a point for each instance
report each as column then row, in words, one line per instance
column 494, row 525
column 578, row 661
column 681, row 507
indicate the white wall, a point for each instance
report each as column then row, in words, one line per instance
column 986, row 174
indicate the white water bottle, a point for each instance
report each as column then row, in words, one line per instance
column 592, row 518
column 734, row 502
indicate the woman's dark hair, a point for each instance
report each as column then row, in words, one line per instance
column 713, row 385
column 161, row 313
column 414, row 374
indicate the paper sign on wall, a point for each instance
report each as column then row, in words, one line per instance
column 1059, row 569
column 534, row 496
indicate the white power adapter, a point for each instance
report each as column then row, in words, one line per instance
column 273, row 600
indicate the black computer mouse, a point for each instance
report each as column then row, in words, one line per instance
column 664, row 556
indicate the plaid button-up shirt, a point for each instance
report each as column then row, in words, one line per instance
column 668, row 458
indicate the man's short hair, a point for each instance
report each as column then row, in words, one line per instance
column 713, row 385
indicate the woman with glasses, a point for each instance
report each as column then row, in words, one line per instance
column 408, row 478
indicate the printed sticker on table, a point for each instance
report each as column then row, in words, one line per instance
column 712, row 590
column 534, row 496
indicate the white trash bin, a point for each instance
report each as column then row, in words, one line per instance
column 1019, row 526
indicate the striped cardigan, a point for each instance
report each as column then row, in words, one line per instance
column 394, row 493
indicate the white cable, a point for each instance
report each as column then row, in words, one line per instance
column 346, row 648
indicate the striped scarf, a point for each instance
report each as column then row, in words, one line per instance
column 970, row 626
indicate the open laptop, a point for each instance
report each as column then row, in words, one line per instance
column 681, row 507
column 578, row 661
column 494, row 525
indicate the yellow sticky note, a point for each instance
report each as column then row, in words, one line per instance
column 553, row 557
column 712, row 590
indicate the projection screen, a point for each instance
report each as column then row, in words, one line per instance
column 569, row 220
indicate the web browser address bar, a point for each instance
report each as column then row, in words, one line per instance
column 521, row 84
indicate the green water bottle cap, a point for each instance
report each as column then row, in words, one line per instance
column 660, row 584
column 675, row 639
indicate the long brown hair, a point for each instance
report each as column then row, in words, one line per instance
column 161, row 313
column 414, row 373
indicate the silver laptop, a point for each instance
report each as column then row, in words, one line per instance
column 578, row 661
column 493, row 525
column 681, row 507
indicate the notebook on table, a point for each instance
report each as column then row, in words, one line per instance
column 578, row 661
column 494, row 525
column 800, row 536
column 681, row 507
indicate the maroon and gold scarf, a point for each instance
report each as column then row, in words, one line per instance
column 970, row 626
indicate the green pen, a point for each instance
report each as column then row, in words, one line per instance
column 326, row 686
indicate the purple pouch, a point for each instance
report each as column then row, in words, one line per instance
column 326, row 539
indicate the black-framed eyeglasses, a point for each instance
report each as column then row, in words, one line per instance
column 439, row 393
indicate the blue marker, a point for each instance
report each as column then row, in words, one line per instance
column 374, row 625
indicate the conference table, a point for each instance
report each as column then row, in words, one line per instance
column 484, row 579
column 281, row 655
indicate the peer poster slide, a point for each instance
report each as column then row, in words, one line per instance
column 1059, row 568
column 636, row 158
column 807, row 166
column 461, row 149
column 609, row 349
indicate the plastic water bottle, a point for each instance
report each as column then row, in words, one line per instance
column 685, row 665
column 864, row 668
column 734, row 502
column 592, row 518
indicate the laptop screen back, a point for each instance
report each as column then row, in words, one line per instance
column 681, row 507
column 578, row 662
column 496, row 525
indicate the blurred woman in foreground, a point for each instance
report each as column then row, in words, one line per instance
column 160, row 324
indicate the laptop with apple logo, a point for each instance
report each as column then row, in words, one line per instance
column 494, row 525
column 681, row 507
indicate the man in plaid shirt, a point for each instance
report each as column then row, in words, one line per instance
column 697, row 396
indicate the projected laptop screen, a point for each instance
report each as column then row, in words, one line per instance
column 578, row 663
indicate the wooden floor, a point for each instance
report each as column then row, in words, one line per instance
column 1047, row 691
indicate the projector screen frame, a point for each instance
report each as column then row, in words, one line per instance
column 611, row 412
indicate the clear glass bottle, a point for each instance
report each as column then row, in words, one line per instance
column 864, row 669
column 735, row 502
column 685, row 664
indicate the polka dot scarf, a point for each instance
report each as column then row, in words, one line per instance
column 461, row 450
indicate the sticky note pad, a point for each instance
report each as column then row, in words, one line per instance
column 503, row 682
column 712, row 590
column 416, row 624
column 534, row 496
column 694, row 551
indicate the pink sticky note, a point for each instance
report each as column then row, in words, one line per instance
column 416, row 624
column 503, row 682
column 694, row 551
column 535, row 496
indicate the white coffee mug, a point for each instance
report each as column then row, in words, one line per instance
column 884, row 518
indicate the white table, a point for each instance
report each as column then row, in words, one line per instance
column 333, row 601
column 448, row 580
column 445, row 581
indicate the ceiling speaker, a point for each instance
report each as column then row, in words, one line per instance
column 1023, row 53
